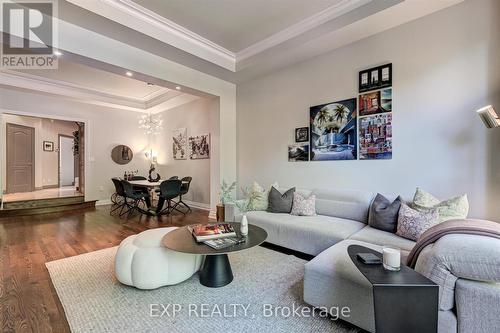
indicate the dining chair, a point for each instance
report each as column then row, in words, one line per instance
column 138, row 178
column 117, row 198
column 186, row 182
column 169, row 189
column 174, row 177
column 133, row 198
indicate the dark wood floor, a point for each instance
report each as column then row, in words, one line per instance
column 28, row 301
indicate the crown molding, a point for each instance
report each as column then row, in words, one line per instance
column 301, row 27
column 167, row 31
column 155, row 102
column 158, row 27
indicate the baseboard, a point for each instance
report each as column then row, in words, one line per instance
column 198, row 205
column 103, row 202
column 49, row 186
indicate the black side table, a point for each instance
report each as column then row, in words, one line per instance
column 404, row 301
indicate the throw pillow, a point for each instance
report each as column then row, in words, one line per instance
column 303, row 206
column 383, row 214
column 412, row 223
column 454, row 208
column 280, row 203
column 261, row 195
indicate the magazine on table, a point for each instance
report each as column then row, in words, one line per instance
column 204, row 232
column 223, row 243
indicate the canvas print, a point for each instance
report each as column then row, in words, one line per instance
column 375, row 137
column 333, row 131
column 298, row 153
column 375, row 78
column 302, row 134
column 375, row 102
column 200, row 146
column 180, row 142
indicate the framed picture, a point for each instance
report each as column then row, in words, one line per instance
column 375, row 137
column 375, row 78
column 302, row 134
column 200, row 147
column 298, row 152
column 375, row 102
column 180, row 144
column 333, row 134
column 48, row 146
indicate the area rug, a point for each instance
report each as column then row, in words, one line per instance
column 266, row 289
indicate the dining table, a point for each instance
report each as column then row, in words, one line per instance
column 150, row 186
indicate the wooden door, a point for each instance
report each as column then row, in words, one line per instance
column 20, row 158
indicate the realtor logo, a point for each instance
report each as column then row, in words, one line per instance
column 28, row 37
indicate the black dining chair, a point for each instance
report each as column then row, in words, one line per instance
column 142, row 189
column 134, row 198
column 186, row 182
column 138, row 178
column 171, row 178
column 169, row 189
column 117, row 198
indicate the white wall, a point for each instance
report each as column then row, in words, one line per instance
column 444, row 67
column 105, row 128
column 196, row 117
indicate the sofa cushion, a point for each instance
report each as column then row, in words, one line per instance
column 454, row 208
column 280, row 202
column 307, row 234
column 379, row 237
column 413, row 223
column 384, row 213
column 303, row 206
column 347, row 204
column 261, row 197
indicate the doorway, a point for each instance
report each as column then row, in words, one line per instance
column 20, row 158
column 66, row 161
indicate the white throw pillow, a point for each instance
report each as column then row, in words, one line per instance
column 303, row 206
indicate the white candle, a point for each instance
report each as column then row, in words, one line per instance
column 391, row 258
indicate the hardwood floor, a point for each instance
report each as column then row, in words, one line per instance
column 28, row 301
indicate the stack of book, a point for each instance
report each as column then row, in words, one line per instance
column 217, row 236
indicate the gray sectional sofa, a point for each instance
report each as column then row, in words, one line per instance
column 468, row 276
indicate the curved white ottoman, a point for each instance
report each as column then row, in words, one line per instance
column 143, row 262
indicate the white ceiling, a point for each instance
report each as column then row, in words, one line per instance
column 96, row 86
column 236, row 25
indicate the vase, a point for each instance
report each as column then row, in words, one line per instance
column 244, row 226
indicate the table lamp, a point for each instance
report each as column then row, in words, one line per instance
column 489, row 116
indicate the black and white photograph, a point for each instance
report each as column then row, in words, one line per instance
column 298, row 152
column 302, row 134
column 375, row 78
column 48, row 146
column 179, row 148
column 200, row 147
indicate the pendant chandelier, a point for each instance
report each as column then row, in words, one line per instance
column 151, row 124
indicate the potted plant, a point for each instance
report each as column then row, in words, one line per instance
column 225, row 196
column 244, row 205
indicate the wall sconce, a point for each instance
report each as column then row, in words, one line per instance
column 489, row 116
column 152, row 155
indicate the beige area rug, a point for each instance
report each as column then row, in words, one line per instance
column 94, row 301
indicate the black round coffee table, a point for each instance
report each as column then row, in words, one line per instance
column 216, row 270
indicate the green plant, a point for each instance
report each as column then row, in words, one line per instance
column 226, row 190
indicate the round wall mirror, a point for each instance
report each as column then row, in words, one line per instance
column 122, row 154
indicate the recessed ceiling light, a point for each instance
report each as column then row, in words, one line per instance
column 178, row 88
column 58, row 53
column 129, row 74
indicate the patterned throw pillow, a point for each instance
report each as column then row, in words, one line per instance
column 303, row 206
column 262, row 199
column 454, row 208
column 412, row 223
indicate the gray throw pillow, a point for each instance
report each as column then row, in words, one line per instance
column 384, row 214
column 280, row 203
